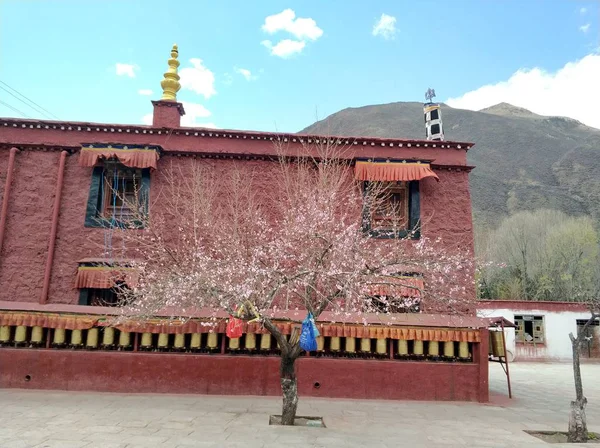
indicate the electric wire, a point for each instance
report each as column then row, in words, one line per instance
column 35, row 106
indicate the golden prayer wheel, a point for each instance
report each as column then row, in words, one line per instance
column 20, row 334
column 250, row 341
column 365, row 345
column 146, row 340
column 265, row 341
column 496, row 343
column 381, row 347
column 4, row 333
column 463, row 349
column 92, row 338
column 213, row 341
column 334, row 344
column 108, row 336
column 59, row 336
column 320, row 343
column 418, row 348
column 433, row 348
column 449, row 349
column 402, row 347
column 179, row 342
column 76, row 338
column 163, row 340
column 350, row 345
column 196, row 341
column 37, row 334
column 234, row 343
column 124, row 339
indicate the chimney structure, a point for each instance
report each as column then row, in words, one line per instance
column 433, row 118
column 167, row 111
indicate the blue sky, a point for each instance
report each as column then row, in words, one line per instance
column 64, row 55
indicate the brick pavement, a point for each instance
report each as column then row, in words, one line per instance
column 86, row 420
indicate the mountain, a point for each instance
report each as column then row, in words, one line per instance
column 523, row 160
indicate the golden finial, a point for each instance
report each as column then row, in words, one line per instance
column 170, row 83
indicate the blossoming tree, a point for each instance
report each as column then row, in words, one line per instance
column 290, row 237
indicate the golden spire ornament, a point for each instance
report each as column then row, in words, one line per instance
column 170, row 83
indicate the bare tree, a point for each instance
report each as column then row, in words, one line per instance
column 287, row 237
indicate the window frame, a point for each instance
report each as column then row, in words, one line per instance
column 94, row 216
column 412, row 230
column 520, row 339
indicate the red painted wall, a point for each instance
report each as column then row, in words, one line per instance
column 128, row 372
column 445, row 205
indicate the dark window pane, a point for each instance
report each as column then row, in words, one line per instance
column 435, row 114
column 435, row 129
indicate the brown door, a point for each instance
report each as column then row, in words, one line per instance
column 591, row 347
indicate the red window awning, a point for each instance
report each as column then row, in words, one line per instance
column 392, row 171
column 396, row 287
column 131, row 156
column 105, row 277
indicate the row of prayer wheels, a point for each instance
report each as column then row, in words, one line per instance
column 110, row 338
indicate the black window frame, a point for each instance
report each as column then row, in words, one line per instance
column 413, row 229
column 95, row 206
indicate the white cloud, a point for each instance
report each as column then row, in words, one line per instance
column 300, row 28
column 385, row 27
column 125, row 69
column 582, row 10
column 284, row 48
column 247, row 74
column 584, row 28
column 193, row 111
column 145, row 92
column 567, row 92
column 198, row 79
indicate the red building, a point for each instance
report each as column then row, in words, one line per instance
column 52, row 235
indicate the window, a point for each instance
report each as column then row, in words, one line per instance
column 435, row 129
column 530, row 329
column 391, row 209
column 98, row 297
column 118, row 196
column 434, row 115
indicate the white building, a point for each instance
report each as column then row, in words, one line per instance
column 543, row 328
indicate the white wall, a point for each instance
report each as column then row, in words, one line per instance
column 557, row 326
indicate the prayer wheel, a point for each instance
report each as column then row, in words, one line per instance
column 381, row 347
column 4, row 333
column 497, row 344
column 234, row 343
column 92, row 338
column 163, row 340
column 124, row 339
column 37, row 334
column 418, row 348
column 265, row 341
column 402, row 347
column 146, row 340
column 463, row 349
column 20, row 334
column 350, row 345
column 320, row 343
column 59, row 336
column 108, row 337
column 179, row 342
column 196, row 341
column 433, row 348
column 250, row 341
column 76, row 338
column 365, row 345
column 449, row 349
column 334, row 344
column 213, row 341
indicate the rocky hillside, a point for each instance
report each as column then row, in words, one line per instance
column 523, row 160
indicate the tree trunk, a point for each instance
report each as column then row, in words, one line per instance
column 289, row 388
column 578, row 432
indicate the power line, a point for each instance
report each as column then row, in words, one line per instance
column 35, row 106
column 14, row 109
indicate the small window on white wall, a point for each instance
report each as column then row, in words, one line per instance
column 530, row 329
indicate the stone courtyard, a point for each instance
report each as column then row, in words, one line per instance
column 54, row 419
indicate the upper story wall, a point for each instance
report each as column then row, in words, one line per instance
column 445, row 205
